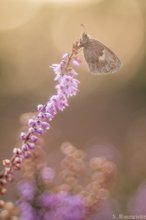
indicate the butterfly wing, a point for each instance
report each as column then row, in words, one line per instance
column 100, row 58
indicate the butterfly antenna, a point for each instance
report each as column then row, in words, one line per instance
column 84, row 28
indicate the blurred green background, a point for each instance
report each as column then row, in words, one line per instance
column 109, row 110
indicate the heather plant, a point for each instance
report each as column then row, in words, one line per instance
column 79, row 188
column 46, row 194
column 75, row 192
column 67, row 86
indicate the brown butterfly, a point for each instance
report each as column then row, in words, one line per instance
column 100, row 58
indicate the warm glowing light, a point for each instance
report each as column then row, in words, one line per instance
column 16, row 13
column 66, row 1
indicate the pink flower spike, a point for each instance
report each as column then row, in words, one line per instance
column 76, row 61
column 67, row 86
column 39, row 130
column 24, row 147
column 41, row 115
column 56, row 68
column 51, row 109
column 33, row 138
column 65, row 56
column 23, row 136
column 40, row 107
column 27, row 155
column 17, row 151
column 31, row 146
column 31, row 130
column 31, row 122
column 72, row 72
column 45, row 125
column 48, row 116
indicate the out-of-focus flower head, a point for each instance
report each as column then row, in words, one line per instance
column 137, row 203
column 65, row 195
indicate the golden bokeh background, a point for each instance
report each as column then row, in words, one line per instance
column 109, row 113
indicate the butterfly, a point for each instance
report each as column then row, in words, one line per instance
column 100, row 58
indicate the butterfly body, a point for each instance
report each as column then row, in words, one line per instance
column 100, row 58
